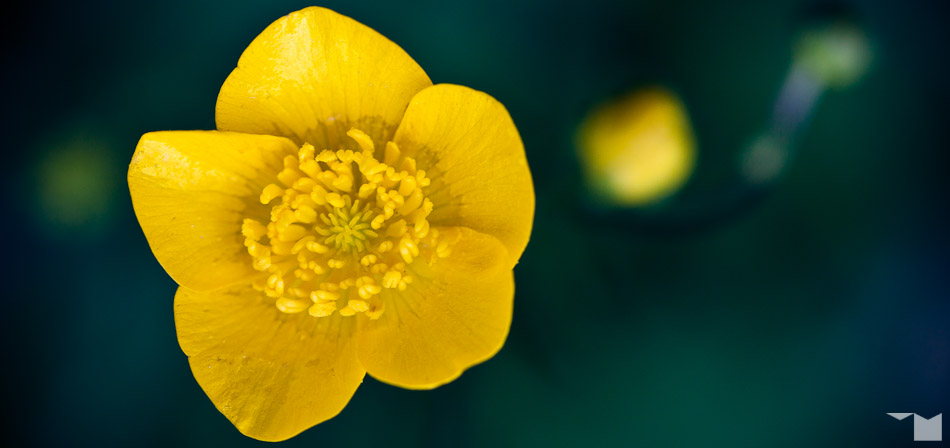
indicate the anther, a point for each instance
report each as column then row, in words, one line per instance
column 343, row 227
column 270, row 192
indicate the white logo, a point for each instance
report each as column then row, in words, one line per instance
column 925, row 430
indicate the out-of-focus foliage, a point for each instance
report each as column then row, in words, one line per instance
column 75, row 184
column 837, row 54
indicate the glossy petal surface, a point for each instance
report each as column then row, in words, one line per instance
column 455, row 315
column 314, row 74
column 192, row 189
column 272, row 374
column 467, row 142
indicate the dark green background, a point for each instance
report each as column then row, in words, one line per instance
column 798, row 318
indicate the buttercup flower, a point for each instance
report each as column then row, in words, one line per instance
column 347, row 217
column 639, row 149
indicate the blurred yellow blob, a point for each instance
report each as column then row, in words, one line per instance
column 639, row 149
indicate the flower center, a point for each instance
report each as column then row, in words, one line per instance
column 349, row 227
column 345, row 229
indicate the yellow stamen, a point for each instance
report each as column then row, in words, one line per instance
column 346, row 227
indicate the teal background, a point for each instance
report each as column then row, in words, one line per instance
column 796, row 317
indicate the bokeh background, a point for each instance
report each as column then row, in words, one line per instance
column 797, row 317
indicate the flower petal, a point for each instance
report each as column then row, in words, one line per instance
column 468, row 144
column 272, row 374
column 314, row 74
column 191, row 191
column 454, row 315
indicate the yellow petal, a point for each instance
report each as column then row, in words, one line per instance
column 191, row 190
column 469, row 146
column 272, row 374
column 314, row 74
column 454, row 315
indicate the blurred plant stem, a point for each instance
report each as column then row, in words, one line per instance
column 832, row 56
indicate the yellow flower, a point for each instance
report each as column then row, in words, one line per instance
column 347, row 217
column 639, row 149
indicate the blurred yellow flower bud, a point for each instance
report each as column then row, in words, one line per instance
column 639, row 149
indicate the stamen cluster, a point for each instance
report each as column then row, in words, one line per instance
column 346, row 228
